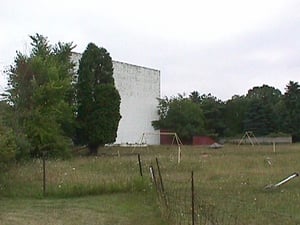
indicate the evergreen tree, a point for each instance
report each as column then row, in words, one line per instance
column 195, row 97
column 291, row 101
column 98, row 112
column 265, row 100
column 256, row 118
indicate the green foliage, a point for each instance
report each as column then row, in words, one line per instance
column 9, row 123
column 291, row 100
column 106, row 106
column 195, row 97
column 234, row 115
column 98, row 100
column 191, row 116
column 262, row 106
column 40, row 92
column 260, row 111
column 180, row 115
column 264, row 111
column 7, row 145
column 213, row 115
column 256, row 119
column 269, row 95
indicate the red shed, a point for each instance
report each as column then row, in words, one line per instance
column 203, row 140
column 166, row 139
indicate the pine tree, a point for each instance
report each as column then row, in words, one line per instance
column 291, row 101
column 98, row 100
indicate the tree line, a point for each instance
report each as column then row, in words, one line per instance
column 49, row 107
column 46, row 108
column 263, row 110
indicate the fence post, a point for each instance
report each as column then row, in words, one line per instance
column 162, row 186
column 193, row 199
column 140, row 165
column 179, row 155
column 153, row 177
column 160, row 177
column 44, row 173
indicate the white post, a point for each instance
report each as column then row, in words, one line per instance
column 274, row 147
column 179, row 154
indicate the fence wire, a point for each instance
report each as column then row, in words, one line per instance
column 183, row 207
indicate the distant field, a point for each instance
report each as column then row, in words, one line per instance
column 108, row 189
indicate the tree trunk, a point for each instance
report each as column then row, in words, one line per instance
column 93, row 149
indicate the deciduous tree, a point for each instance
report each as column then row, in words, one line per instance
column 234, row 112
column 181, row 115
column 213, row 110
column 8, row 146
column 40, row 93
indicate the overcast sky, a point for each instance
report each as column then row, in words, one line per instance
column 210, row 46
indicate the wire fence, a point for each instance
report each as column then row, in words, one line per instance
column 182, row 204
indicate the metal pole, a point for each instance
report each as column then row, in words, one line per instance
column 193, row 200
column 140, row 165
column 44, row 173
column 286, row 179
column 160, row 177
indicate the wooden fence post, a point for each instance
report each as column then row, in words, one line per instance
column 153, row 176
column 140, row 165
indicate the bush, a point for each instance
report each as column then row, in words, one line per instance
column 7, row 146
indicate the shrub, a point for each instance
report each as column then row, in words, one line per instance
column 7, row 146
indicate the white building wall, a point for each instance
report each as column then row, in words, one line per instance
column 139, row 88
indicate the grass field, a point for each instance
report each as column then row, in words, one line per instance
column 108, row 189
column 231, row 181
column 120, row 208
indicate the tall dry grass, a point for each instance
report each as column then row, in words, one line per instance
column 229, row 182
column 75, row 177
